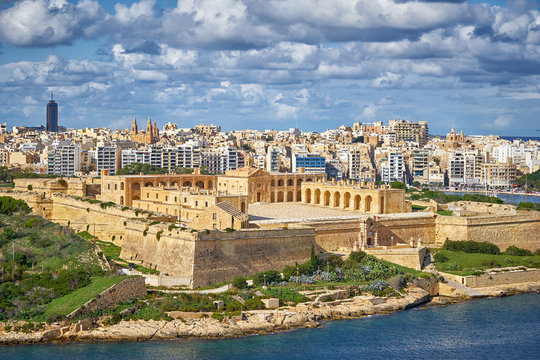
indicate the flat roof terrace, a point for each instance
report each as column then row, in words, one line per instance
column 294, row 211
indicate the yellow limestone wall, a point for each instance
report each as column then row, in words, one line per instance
column 502, row 230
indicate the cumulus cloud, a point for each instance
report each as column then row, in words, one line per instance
column 41, row 23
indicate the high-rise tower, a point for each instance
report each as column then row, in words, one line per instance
column 52, row 115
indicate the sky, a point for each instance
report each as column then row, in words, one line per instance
column 273, row 64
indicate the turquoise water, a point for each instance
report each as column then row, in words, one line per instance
column 500, row 328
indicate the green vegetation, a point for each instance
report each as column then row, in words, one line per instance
column 532, row 180
column 515, row 251
column 462, row 263
column 478, row 247
column 8, row 175
column 528, row 206
column 112, row 252
column 418, row 207
column 398, row 185
column 138, row 168
column 9, row 206
column 445, row 212
column 42, row 262
column 64, row 305
column 239, row 282
column 443, row 198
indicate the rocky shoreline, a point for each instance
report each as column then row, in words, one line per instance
column 306, row 315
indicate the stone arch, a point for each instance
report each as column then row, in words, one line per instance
column 309, row 180
column 199, row 184
column 187, row 183
column 347, row 200
column 259, row 196
column 299, row 195
column 280, row 196
column 210, row 184
column 299, row 182
column 174, row 184
column 122, row 200
column 308, row 196
column 317, row 196
column 326, row 198
column 357, row 200
column 337, row 199
column 272, row 183
column 243, row 207
column 280, row 182
column 290, row 196
column 367, row 203
column 122, row 185
column 272, row 197
column 149, row 184
column 290, row 182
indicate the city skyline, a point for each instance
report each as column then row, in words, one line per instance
column 273, row 65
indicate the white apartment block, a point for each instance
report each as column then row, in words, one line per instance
column 107, row 158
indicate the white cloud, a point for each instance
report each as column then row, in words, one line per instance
column 44, row 23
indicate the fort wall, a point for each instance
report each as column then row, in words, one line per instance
column 502, row 230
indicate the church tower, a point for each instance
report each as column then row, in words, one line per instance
column 134, row 128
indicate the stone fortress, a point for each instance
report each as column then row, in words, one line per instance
column 204, row 229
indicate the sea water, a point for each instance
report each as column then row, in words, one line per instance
column 495, row 328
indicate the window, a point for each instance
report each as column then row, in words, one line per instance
column 196, row 203
column 166, row 198
column 206, row 204
column 115, row 187
column 147, row 195
column 108, row 186
column 214, row 216
column 157, row 196
column 175, row 199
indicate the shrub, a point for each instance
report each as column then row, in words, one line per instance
column 440, row 257
column 490, row 263
column 106, row 204
column 239, row 282
column 29, row 187
column 229, row 229
column 9, row 206
column 155, row 222
column 398, row 185
column 454, row 267
column 334, row 261
column 357, row 256
column 268, row 277
column 477, row 247
column 158, row 235
column 124, row 208
column 62, row 183
column 376, row 287
column 515, row 251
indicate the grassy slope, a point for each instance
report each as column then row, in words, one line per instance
column 472, row 262
column 66, row 304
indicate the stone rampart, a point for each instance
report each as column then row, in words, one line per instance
column 123, row 291
column 409, row 257
column 169, row 251
column 502, row 230
column 219, row 256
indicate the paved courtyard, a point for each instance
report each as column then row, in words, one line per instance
column 293, row 211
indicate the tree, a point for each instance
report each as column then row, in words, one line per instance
column 137, row 168
column 398, row 185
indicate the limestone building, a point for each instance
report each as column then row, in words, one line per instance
column 150, row 136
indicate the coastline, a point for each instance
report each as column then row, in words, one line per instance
column 258, row 322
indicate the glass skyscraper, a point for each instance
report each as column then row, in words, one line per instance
column 52, row 115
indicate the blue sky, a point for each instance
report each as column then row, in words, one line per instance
column 272, row 64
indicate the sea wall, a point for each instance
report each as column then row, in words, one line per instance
column 123, row 291
column 494, row 278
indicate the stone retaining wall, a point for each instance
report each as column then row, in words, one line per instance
column 498, row 278
column 123, row 291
